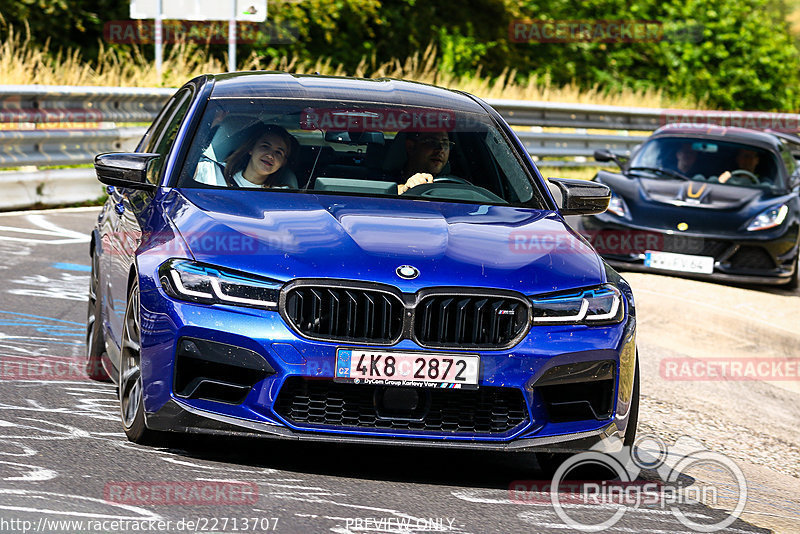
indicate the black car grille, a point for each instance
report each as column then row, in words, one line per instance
column 488, row 410
column 748, row 257
column 697, row 246
column 475, row 321
column 343, row 314
column 438, row 320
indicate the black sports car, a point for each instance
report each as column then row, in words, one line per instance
column 705, row 201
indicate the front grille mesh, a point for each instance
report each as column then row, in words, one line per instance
column 488, row 410
column 748, row 257
column 342, row 314
column 438, row 320
column 473, row 321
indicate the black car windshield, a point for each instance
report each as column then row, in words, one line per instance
column 324, row 147
column 706, row 160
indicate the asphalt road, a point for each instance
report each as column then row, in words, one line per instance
column 65, row 465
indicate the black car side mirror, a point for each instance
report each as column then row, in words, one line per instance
column 604, row 155
column 581, row 197
column 125, row 169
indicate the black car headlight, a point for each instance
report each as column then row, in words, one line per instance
column 617, row 206
column 769, row 218
column 597, row 306
column 207, row 284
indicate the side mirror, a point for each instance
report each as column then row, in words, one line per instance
column 125, row 169
column 794, row 180
column 604, row 155
column 581, row 197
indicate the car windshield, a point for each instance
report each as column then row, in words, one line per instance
column 324, row 147
column 706, row 160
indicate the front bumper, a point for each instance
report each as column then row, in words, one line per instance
column 176, row 416
column 287, row 356
column 768, row 258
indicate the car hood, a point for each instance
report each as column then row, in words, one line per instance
column 708, row 207
column 704, row 195
column 285, row 236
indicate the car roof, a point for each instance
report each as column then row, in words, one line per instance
column 764, row 139
column 339, row 89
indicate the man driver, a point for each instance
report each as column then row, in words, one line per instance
column 426, row 155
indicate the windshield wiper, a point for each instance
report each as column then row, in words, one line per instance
column 661, row 171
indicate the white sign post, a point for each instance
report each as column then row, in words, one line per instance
column 232, row 11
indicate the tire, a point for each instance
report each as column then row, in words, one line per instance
column 95, row 339
column 633, row 416
column 130, row 377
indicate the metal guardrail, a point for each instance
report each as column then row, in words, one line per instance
column 524, row 113
column 63, row 147
column 34, row 104
column 23, row 108
column 34, row 121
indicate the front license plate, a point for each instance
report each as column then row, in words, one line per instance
column 395, row 368
column 679, row 262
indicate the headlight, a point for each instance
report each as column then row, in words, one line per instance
column 770, row 218
column 617, row 206
column 197, row 282
column 601, row 305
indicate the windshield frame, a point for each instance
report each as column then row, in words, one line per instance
column 526, row 178
column 729, row 143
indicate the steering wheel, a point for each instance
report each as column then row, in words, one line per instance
column 449, row 178
column 434, row 190
column 746, row 174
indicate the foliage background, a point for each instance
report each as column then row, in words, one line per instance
column 743, row 54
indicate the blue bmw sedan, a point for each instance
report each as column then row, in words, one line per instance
column 366, row 261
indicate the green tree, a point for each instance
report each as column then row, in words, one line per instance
column 65, row 24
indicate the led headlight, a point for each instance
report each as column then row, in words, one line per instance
column 600, row 305
column 197, row 282
column 769, row 218
column 617, row 206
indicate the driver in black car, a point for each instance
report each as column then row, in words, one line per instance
column 746, row 163
column 427, row 154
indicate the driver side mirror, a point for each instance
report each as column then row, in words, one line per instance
column 125, row 169
column 604, row 155
column 581, row 197
column 794, row 180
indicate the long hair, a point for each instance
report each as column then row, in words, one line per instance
column 239, row 158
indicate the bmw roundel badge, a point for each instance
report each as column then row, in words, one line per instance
column 407, row 272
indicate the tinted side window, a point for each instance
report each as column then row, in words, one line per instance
column 162, row 134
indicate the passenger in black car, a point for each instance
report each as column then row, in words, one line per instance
column 686, row 158
column 746, row 163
